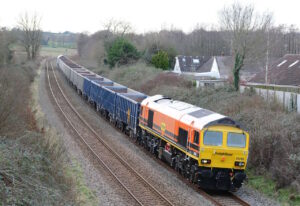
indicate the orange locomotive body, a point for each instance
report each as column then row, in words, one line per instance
column 184, row 137
column 208, row 148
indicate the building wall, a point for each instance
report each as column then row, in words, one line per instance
column 289, row 100
column 177, row 67
column 298, row 103
column 207, row 83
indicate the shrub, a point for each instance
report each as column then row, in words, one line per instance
column 171, row 54
column 161, row 60
column 121, row 52
column 153, row 50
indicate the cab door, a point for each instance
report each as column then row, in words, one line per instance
column 150, row 118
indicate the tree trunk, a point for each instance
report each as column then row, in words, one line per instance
column 32, row 53
column 28, row 52
column 239, row 62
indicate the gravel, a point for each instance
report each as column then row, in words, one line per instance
column 103, row 187
column 253, row 197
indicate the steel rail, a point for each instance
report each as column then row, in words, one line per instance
column 115, row 154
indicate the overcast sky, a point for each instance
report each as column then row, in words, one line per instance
column 150, row 15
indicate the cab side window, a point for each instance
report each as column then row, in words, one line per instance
column 196, row 137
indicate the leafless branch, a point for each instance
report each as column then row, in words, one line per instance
column 31, row 33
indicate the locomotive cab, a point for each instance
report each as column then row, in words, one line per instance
column 223, row 156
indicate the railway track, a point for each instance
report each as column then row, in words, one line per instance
column 217, row 198
column 137, row 187
column 224, row 199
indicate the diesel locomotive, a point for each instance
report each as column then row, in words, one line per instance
column 208, row 148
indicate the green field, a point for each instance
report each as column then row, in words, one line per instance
column 50, row 51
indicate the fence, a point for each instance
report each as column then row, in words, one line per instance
column 288, row 96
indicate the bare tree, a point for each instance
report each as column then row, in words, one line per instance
column 81, row 42
column 31, row 34
column 117, row 27
column 242, row 24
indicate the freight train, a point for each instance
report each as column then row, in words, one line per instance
column 209, row 149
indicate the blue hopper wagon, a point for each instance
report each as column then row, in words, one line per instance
column 128, row 109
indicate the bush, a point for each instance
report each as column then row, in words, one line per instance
column 161, row 60
column 153, row 50
column 121, row 52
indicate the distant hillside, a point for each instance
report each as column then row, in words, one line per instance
column 66, row 39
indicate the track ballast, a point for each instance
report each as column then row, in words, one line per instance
column 137, row 187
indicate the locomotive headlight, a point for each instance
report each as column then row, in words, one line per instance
column 205, row 161
column 239, row 164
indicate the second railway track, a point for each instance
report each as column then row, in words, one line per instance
column 137, row 187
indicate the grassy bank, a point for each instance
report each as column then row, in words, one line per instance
column 266, row 185
column 275, row 134
column 72, row 169
column 34, row 168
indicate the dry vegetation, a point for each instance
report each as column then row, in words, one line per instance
column 34, row 166
column 275, row 134
column 14, row 112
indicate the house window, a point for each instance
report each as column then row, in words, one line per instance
column 281, row 63
column 183, row 59
column 294, row 63
column 196, row 61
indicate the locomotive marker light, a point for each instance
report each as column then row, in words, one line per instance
column 239, row 164
column 205, row 161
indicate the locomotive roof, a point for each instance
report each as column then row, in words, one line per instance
column 187, row 113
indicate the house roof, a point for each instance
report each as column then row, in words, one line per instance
column 284, row 71
column 192, row 63
column 225, row 65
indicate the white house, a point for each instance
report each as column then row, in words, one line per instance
column 197, row 66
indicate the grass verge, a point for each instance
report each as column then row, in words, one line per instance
column 266, row 185
column 72, row 170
